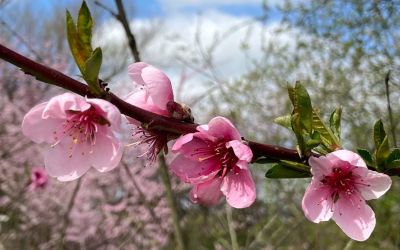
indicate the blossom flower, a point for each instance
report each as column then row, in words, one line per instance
column 215, row 161
column 154, row 95
column 340, row 186
column 81, row 133
column 39, row 179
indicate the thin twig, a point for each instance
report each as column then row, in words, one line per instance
column 389, row 108
column 163, row 170
column 142, row 197
column 106, row 8
column 232, row 233
column 131, row 38
column 71, row 204
column 21, row 39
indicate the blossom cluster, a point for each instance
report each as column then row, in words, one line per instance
column 84, row 132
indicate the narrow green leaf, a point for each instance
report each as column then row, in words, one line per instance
column 312, row 143
column 284, row 121
column 327, row 136
column 394, row 164
column 292, row 95
column 298, row 131
column 382, row 153
column 367, row 156
column 379, row 133
column 394, row 155
column 92, row 69
column 334, row 121
column 76, row 46
column 283, row 171
column 304, row 107
column 84, row 27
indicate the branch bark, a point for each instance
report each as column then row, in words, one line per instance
column 154, row 121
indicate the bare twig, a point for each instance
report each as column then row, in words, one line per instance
column 21, row 39
column 389, row 108
column 142, row 197
column 106, row 8
column 71, row 204
column 121, row 17
column 163, row 170
column 232, row 232
column 131, row 38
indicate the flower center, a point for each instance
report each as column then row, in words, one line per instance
column 81, row 127
column 219, row 152
column 155, row 141
column 341, row 181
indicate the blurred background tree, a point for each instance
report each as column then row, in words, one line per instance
column 342, row 51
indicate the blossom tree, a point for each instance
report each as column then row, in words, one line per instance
column 82, row 129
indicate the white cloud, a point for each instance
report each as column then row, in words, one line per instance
column 179, row 35
column 173, row 5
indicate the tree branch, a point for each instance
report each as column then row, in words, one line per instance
column 155, row 121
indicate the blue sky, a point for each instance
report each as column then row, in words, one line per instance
column 147, row 8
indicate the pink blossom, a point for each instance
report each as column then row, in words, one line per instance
column 39, row 179
column 81, row 133
column 154, row 93
column 215, row 160
column 340, row 186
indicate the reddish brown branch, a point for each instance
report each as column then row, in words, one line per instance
column 49, row 75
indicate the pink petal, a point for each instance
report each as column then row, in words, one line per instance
column 58, row 105
column 38, row 129
column 182, row 141
column 189, row 145
column 107, row 153
column 192, row 171
column 141, row 99
column 346, row 155
column 207, row 193
column 239, row 188
column 241, row 150
column 317, row 203
column 154, row 81
column 221, row 127
column 109, row 111
column 59, row 164
column 354, row 217
column 320, row 166
column 374, row 185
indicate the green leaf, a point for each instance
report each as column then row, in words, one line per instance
column 84, row 27
column 334, row 121
column 91, row 71
column 379, row 133
column 394, row 155
column 366, row 155
column 394, row 164
column 292, row 95
column 303, row 106
column 382, row 153
column 76, row 45
column 327, row 136
column 284, row 121
column 298, row 131
column 283, row 171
